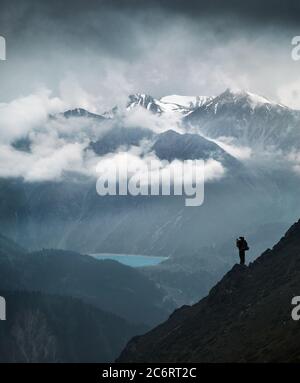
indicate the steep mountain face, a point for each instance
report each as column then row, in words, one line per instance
column 145, row 101
column 245, row 318
column 251, row 119
column 43, row 328
column 187, row 277
column 171, row 145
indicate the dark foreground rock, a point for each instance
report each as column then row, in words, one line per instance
column 245, row 318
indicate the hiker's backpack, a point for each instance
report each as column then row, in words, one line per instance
column 246, row 246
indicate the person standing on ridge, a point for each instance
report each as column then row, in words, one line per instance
column 242, row 245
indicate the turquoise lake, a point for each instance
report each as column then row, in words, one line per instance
column 131, row 260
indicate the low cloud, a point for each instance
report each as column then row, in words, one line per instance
column 289, row 94
column 36, row 167
column 56, row 145
column 126, row 173
column 230, row 145
column 141, row 117
column 131, row 163
column 25, row 114
column 59, row 145
column 214, row 170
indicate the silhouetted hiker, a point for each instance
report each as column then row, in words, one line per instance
column 242, row 245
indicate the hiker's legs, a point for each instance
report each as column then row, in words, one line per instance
column 242, row 257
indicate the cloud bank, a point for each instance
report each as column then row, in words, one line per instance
column 100, row 51
column 59, row 145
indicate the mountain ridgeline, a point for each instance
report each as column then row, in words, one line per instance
column 106, row 284
column 246, row 317
column 67, row 307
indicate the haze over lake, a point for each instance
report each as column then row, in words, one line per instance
column 131, row 260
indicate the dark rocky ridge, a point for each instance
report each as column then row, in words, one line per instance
column 245, row 318
column 45, row 328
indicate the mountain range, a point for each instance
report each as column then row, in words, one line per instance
column 236, row 116
column 248, row 118
column 248, row 198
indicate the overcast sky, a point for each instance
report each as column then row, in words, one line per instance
column 93, row 53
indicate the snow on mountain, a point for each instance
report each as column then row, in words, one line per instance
column 238, row 116
column 241, row 98
column 250, row 119
column 145, row 101
column 187, row 102
column 175, row 104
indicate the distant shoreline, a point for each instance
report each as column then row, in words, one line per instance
column 132, row 260
column 125, row 255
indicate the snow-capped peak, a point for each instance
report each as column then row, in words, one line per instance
column 144, row 100
column 173, row 104
column 235, row 95
column 188, row 102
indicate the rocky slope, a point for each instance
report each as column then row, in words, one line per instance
column 245, row 318
column 49, row 328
